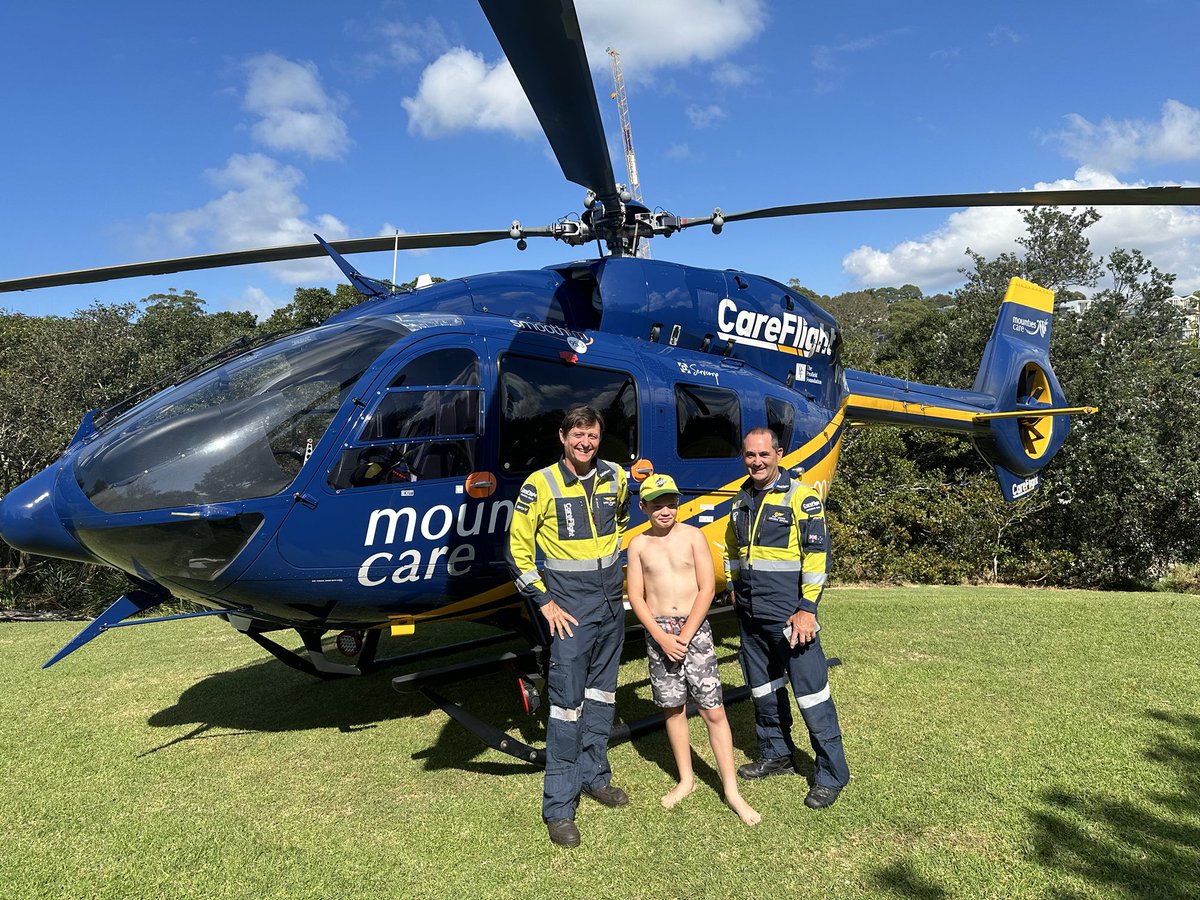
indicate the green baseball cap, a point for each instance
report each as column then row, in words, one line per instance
column 656, row 486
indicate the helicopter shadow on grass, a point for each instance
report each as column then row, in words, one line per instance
column 267, row 696
column 1147, row 849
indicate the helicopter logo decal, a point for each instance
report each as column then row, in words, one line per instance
column 436, row 524
column 806, row 374
column 699, row 371
column 1035, row 327
column 1024, row 487
column 772, row 332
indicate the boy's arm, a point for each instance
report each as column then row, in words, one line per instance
column 705, row 584
column 635, row 585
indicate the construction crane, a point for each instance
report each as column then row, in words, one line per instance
column 618, row 94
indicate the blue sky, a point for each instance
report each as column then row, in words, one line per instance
column 139, row 130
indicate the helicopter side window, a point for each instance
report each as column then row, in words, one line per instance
column 781, row 419
column 425, row 425
column 534, row 395
column 708, row 422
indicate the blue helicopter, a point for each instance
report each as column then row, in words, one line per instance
column 360, row 477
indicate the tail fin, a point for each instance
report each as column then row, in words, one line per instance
column 1025, row 428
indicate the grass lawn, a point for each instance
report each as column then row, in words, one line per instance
column 1004, row 743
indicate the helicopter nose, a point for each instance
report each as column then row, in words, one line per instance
column 29, row 521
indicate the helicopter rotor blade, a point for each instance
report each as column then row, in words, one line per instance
column 1149, row 196
column 266, row 254
column 542, row 42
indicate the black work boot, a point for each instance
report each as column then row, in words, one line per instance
column 764, row 766
column 609, row 795
column 821, row 796
column 563, row 832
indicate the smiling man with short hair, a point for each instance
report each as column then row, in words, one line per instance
column 776, row 559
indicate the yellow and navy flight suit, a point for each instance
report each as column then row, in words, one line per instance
column 581, row 572
column 776, row 560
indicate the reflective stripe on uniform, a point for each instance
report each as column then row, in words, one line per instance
column 583, row 565
column 813, row 699
column 813, row 578
column 764, row 689
column 566, row 715
column 600, row 696
column 526, row 579
column 774, row 565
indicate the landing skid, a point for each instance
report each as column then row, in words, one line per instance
column 316, row 663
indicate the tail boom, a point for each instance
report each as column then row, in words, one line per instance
column 1016, row 412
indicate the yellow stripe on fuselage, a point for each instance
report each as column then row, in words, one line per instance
column 464, row 608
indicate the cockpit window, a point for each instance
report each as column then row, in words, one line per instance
column 423, row 427
column 239, row 431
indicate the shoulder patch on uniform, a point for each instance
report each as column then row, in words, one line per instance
column 528, row 493
column 811, row 505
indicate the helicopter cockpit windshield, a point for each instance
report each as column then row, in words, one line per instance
column 237, row 432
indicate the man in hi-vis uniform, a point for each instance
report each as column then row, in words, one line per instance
column 576, row 510
column 776, row 559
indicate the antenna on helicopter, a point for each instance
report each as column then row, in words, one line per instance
column 395, row 255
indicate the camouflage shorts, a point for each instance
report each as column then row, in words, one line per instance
column 670, row 681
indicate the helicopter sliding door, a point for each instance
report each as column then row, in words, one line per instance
column 536, row 392
column 538, row 382
column 387, row 514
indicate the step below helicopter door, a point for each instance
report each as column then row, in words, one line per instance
column 387, row 522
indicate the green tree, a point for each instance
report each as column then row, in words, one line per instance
column 1127, row 484
column 1119, row 502
column 312, row 306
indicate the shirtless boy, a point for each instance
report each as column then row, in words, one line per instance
column 670, row 583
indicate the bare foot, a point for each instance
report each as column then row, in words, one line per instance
column 748, row 814
column 681, row 790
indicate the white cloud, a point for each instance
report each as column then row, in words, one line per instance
column 257, row 301
column 679, row 151
column 704, row 116
column 460, row 90
column 1118, row 145
column 409, row 43
column 667, row 33
column 295, row 113
column 1002, row 34
column 732, row 75
column 259, row 207
column 1168, row 236
column 830, row 60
